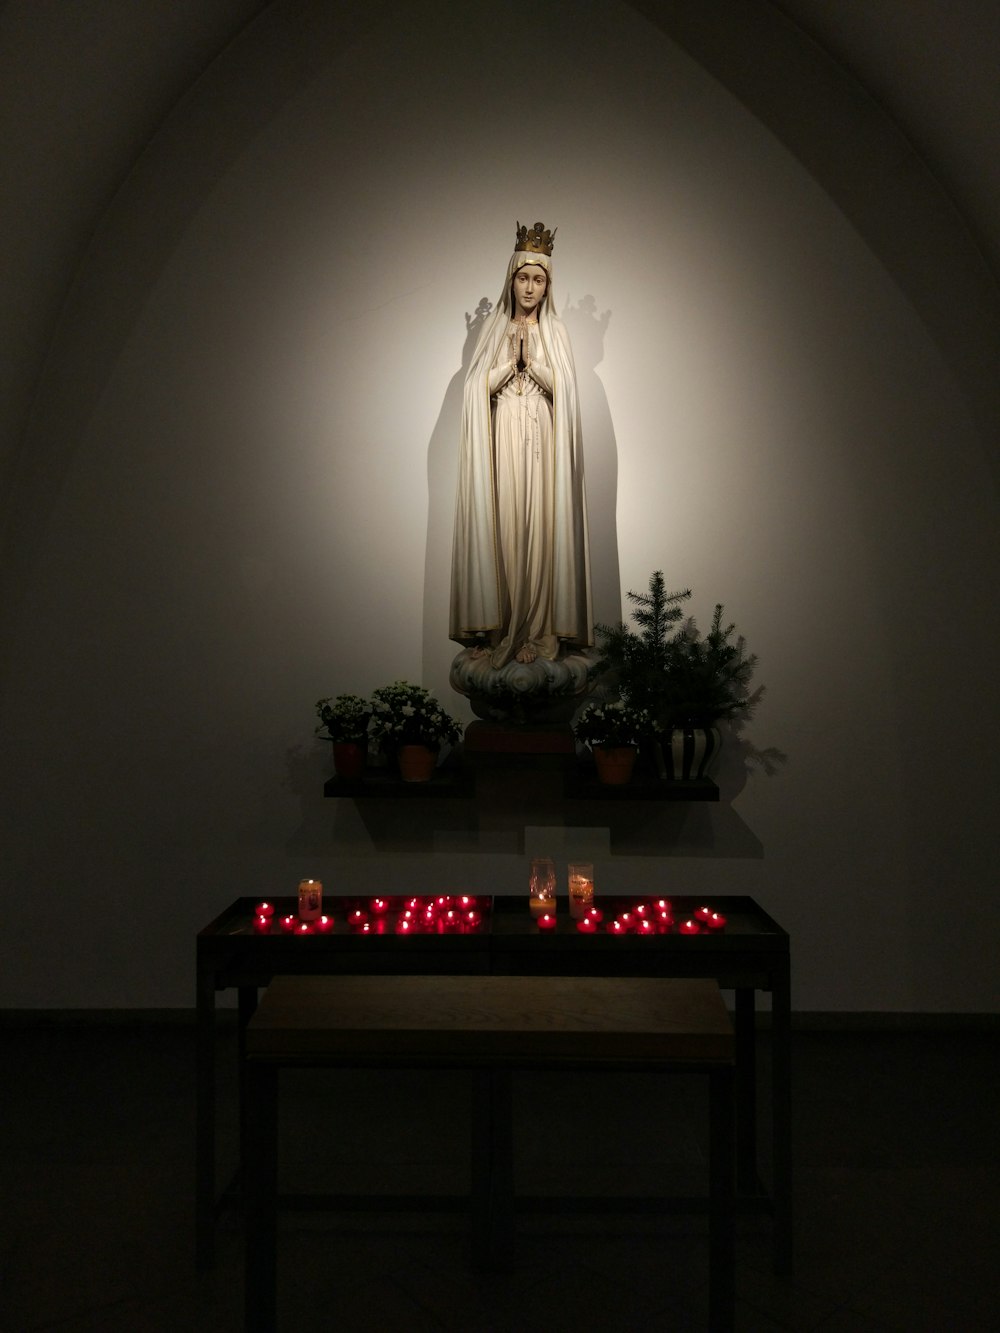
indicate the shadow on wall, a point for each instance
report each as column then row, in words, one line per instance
column 586, row 331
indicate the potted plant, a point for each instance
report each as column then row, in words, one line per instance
column 638, row 662
column 613, row 731
column 409, row 720
column 345, row 720
column 687, row 683
column 709, row 683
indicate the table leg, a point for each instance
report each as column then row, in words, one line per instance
column 260, row 1204
column 247, row 999
column 781, row 1101
column 492, row 1170
column 722, row 1230
column 747, row 1177
column 205, row 1121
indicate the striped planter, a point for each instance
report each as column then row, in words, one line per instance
column 691, row 751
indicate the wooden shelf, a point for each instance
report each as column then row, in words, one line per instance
column 579, row 783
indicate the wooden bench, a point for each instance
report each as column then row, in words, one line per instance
column 491, row 1026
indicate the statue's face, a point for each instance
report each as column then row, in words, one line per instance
column 530, row 283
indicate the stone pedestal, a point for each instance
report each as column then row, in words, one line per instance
column 528, row 694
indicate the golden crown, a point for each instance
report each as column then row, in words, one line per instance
column 537, row 240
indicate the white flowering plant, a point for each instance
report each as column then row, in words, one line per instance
column 405, row 714
column 344, row 718
column 617, row 723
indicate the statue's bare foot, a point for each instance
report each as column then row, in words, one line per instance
column 525, row 654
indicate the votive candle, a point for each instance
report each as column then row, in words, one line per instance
column 542, row 886
column 581, row 888
column 310, row 899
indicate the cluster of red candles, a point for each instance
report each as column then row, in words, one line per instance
column 645, row 918
column 460, row 914
column 444, row 914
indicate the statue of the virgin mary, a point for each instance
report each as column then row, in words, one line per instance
column 520, row 583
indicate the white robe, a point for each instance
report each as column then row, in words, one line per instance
column 520, row 560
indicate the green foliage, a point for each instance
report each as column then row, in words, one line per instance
column 615, row 723
column 674, row 673
column 710, row 676
column 640, row 662
column 406, row 714
column 345, row 718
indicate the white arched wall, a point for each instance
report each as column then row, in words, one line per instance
column 244, row 427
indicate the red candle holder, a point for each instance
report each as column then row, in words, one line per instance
column 689, row 928
column 288, row 923
column 716, row 921
column 587, row 925
column 641, row 910
column 703, row 914
column 664, row 922
column 324, row 925
column 628, row 920
column 379, row 906
column 473, row 919
column 594, row 914
column 405, row 926
column 264, row 909
column 616, row 928
column 664, row 905
column 645, row 928
column 546, row 921
column 467, row 903
column 357, row 919
column 451, row 920
column 262, row 924
column 304, row 928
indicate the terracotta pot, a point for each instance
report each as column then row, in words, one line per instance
column 416, row 762
column 349, row 759
column 614, row 763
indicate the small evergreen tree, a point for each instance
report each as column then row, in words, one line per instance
column 674, row 673
column 639, row 663
column 710, row 676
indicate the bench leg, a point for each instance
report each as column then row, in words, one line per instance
column 722, row 1238
column 260, row 1182
column 492, row 1170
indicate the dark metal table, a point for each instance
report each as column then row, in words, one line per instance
column 751, row 954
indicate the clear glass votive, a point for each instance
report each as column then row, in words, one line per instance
column 310, row 899
column 542, row 886
column 581, row 888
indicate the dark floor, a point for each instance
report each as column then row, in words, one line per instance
column 897, row 1180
